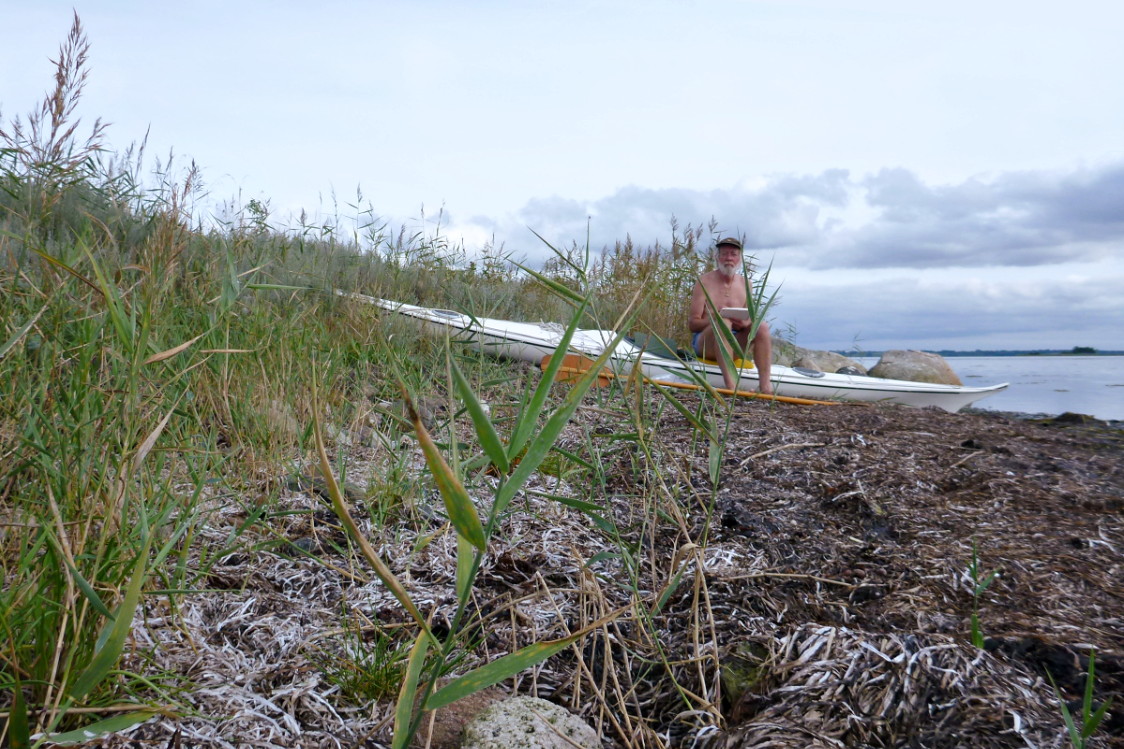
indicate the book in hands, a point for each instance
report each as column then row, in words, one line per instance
column 735, row 313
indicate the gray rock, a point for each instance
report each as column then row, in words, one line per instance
column 784, row 352
column 788, row 354
column 915, row 366
column 528, row 723
column 827, row 361
column 445, row 729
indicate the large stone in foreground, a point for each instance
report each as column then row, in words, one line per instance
column 530, row 723
column 915, row 366
column 445, row 730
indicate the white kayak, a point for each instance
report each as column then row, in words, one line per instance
column 532, row 342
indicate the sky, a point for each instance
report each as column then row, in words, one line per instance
column 930, row 175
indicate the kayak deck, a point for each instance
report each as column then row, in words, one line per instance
column 533, row 341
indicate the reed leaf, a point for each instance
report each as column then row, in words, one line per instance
column 509, row 665
column 546, row 438
column 168, row 354
column 668, row 591
column 100, row 728
column 19, row 730
column 11, row 342
column 80, row 580
column 404, row 710
column 63, row 266
column 714, row 461
column 466, row 561
column 529, row 415
column 276, row 287
column 1090, row 719
column 231, row 285
column 701, row 426
column 565, row 292
column 485, row 430
column 574, row 457
column 579, row 269
column 112, row 640
column 150, row 441
column 459, row 506
column 123, row 320
column 591, row 511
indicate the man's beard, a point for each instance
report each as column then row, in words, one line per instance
column 728, row 271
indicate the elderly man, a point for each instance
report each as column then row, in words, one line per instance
column 726, row 287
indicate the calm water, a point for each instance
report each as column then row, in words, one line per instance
column 1091, row 385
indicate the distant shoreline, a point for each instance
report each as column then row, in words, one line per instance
column 1070, row 419
column 872, row 354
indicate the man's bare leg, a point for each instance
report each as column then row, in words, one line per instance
column 763, row 358
column 712, row 346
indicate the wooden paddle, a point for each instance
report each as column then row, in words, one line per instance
column 576, row 365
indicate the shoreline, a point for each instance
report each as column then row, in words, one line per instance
column 999, row 354
column 1066, row 418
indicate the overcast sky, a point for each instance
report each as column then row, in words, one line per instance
column 942, row 174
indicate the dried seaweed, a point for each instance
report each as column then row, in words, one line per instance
column 831, row 560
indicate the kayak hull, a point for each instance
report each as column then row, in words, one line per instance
column 531, row 342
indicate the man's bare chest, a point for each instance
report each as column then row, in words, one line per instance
column 727, row 296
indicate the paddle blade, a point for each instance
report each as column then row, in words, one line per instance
column 574, row 366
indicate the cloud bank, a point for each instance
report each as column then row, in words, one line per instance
column 1029, row 259
column 887, row 219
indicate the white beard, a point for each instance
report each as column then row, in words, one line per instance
column 728, row 271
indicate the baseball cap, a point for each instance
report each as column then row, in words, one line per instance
column 729, row 240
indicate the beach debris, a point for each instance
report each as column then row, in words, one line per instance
column 829, row 570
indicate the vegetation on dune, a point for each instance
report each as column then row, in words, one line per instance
column 166, row 380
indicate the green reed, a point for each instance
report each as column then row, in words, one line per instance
column 1090, row 716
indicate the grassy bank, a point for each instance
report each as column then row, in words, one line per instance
column 153, row 362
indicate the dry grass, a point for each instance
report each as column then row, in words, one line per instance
column 849, row 612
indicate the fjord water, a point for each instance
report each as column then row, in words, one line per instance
column 1092, row 385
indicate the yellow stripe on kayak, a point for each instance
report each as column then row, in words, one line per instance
column 576, row 365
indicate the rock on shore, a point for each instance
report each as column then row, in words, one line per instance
column 915, row 366
column 788, row 354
